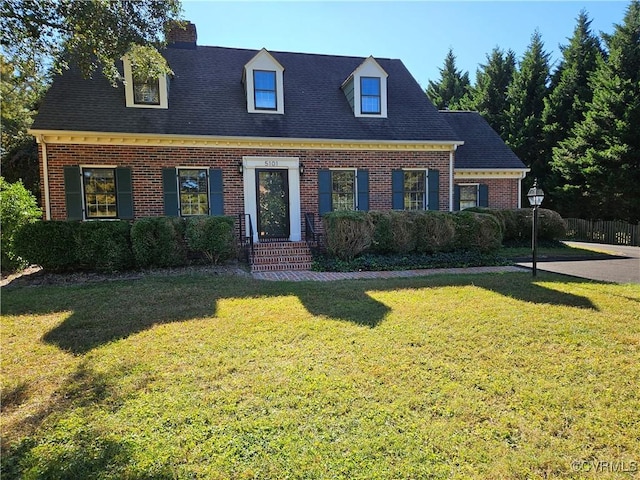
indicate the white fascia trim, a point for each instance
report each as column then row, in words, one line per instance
column 128, row 88
column 207, row 141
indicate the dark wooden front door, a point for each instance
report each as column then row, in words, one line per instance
column 272, row 187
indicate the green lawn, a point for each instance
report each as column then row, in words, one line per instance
column 478, row 376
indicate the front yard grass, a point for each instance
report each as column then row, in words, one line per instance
column 478, row 376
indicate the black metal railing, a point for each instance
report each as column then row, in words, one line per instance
column 245, row 234
column 311, row 232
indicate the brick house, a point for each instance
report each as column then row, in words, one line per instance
column 269, row 136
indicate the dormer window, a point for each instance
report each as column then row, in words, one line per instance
column 141, row 93
column 366, row 90
column 264, row 88
column 263, row 79
column 146, row 92
column 370, row 95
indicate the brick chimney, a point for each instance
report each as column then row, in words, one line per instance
column 182, row 35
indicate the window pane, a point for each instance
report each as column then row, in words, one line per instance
column 370, row 86
column 264, row 80
column 343, row 185
column 265, row 99
column 264, row 86
column 100, row 192
column 468, row 196
column 194, row 192
column 414, row 190
column 147, row 93
column 370, row 104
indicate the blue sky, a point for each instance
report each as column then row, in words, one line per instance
column 417, row 32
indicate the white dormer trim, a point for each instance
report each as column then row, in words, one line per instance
column 128, row 88
column 351, row 86
column 263, row 61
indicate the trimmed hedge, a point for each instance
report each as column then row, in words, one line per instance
column 516, row 223
column 111, row 246
column 51, row 244
column 159, row 242
column 211, row 236
column 349, row 234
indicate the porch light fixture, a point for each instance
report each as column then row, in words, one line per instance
column 301, row 168
column 240, row 168
column 535, row 196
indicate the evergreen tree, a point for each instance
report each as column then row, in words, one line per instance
column 599, row 162
column 566, row 104
column 452, row 86
column 489, row 94
column 524, row 118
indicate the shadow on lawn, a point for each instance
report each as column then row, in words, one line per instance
column 107, row 312
column 79, row 451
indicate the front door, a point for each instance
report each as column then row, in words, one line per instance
column 272, row 197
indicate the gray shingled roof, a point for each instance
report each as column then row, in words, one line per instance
column 483, row 147
column 206, row 97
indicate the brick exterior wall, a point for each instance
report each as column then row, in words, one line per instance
column 146, row 164
column 503, row 192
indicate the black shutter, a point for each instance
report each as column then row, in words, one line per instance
column 397, row 189
column 483, row 195
column 434, row 189
column 456, row 197
column 170, row 192
column 124, row 193
column 362, row 177
column 73, row 192
column 324, row 191
column 216, row 195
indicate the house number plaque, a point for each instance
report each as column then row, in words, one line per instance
column 270, row 163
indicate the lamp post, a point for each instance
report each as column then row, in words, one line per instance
column 535, row 196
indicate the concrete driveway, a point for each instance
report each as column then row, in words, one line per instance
column 622, row 267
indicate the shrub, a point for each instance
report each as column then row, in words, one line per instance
column 159, row 242
column 18, row 207
column 211, row 236
column 476, row 231
column 403, row 231
column 516, row 223
column 435, row 232
column 104, row 246
column 347, row 233
column 50, row 244
column 382, row 240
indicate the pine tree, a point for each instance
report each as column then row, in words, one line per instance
column 452, row 86
column 489, row 94
column 524, row 118
column 570, row 93
column 600, row 161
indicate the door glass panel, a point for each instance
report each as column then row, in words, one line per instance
column 273, row 204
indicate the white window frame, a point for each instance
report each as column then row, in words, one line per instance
column 355, row 186
column 264, row 61
column 85, row 209
column 191, row 167
column 128, row 89
column 477, row 185
column 425, row 198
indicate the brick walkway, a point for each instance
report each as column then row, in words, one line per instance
column 303, row 276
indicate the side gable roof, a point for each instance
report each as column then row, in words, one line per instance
column 206, row 97
column 483, row 148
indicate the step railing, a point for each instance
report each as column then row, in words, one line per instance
column 313, row 237
column 245, row 234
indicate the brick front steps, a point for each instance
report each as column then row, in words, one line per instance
column 281, row 256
